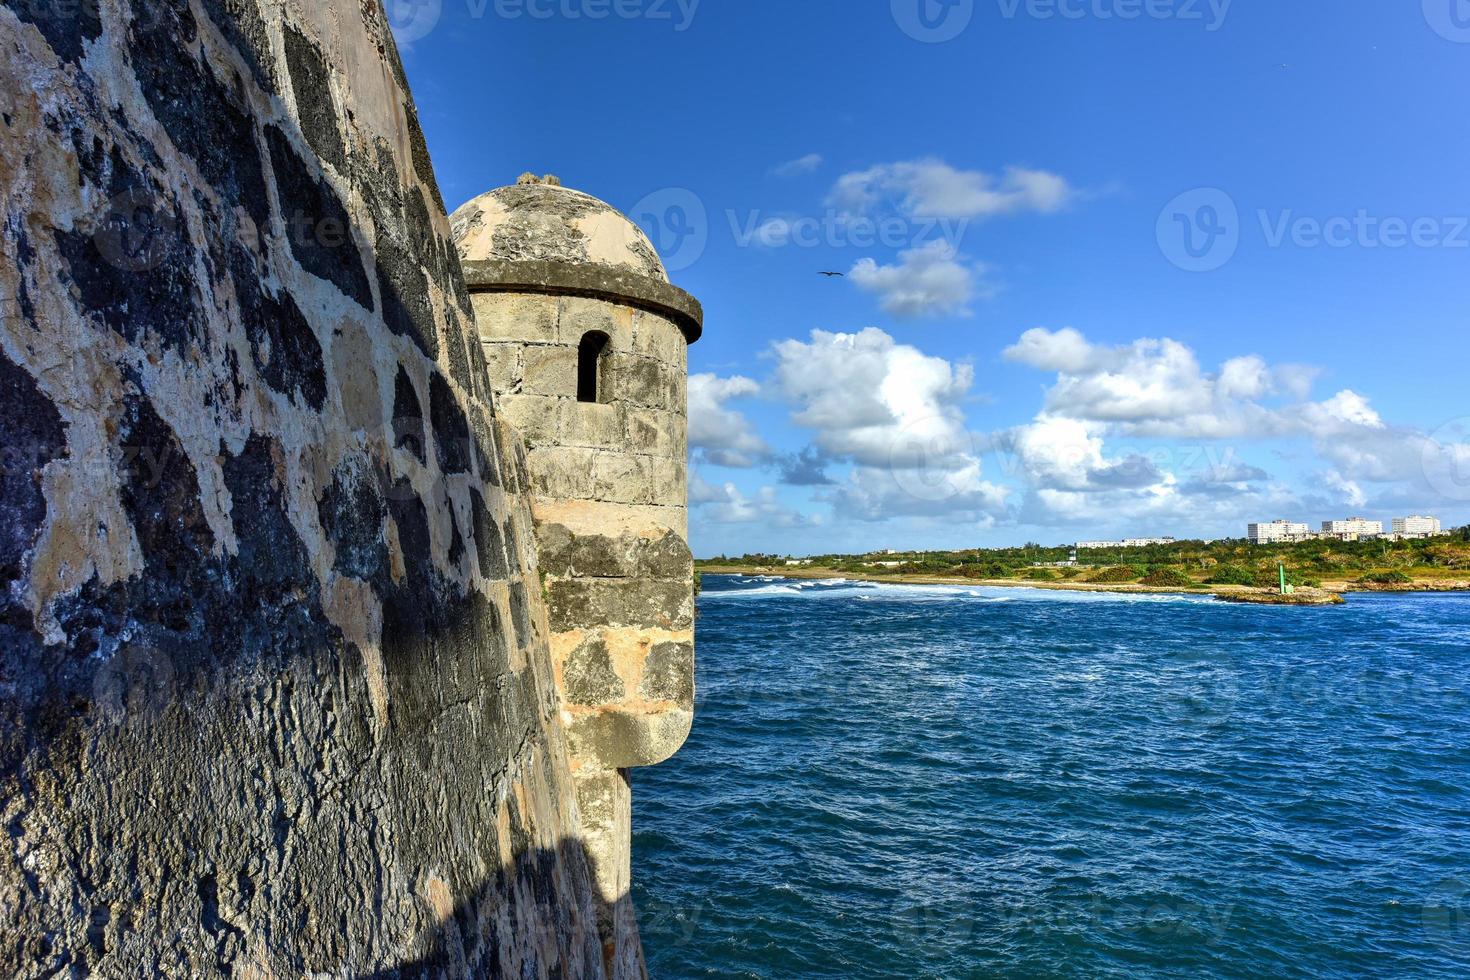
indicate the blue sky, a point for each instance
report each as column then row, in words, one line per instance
column 1024, row 346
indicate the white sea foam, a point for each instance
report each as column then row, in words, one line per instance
column 838, row 588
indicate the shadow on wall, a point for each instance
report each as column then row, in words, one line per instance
column 527, row 902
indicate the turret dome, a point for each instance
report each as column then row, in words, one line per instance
column 537, row 236
column 539, row 220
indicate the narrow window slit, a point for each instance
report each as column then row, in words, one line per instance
column 590, row 353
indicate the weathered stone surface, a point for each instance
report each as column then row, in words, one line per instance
column 589, row 677
column 276, row 692
column 619, row 602
column 668, row 674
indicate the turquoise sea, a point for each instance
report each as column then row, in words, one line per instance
column 910, row 781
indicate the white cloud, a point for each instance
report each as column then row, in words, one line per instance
column 931, row 188
column 799, row 166
column 893, row 412
column 722, row 435
column 1156, row 386
column 725, row 504
column 931, row 280
column 872, row 400
column 1156, row 389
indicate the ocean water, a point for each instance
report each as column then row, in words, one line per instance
column 905, row 781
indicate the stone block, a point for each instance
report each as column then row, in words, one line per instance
column 638, row 381
column 538, row 418
column 667, row 482
column 594, row 425
column 562, row 471
column 503, row 364
column 550, row 370
column 652, row 432
column 578, row 603
column 580, row 315
column 659, row 338
column 651, row 553
column 628, row 738
column 617, row 477
column 668, row 674
column 588, row 676
column 520, row 317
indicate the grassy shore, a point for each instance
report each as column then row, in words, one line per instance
column 1320, row 572
column 1330, row 593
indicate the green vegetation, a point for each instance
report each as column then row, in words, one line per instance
column 1232, row 575
column 1386, row 578
column 1168, row 578
column 1184, row 564
column 1116, row 576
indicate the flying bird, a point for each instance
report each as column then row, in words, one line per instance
column 829, row 275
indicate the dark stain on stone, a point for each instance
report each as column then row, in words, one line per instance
column 65, row 26
column 488, row 545
column 204, row 119
column 241, row 24
column 459, row 361
column 284, row 347
column 485, row 449
column 408, row 416
column 32, row 435
column 311, row 81
column 520, row 613
column 668, row 674
column 317, row 224
column 405, row 290
column 159, row 489
column 26, row 257
column 589, row 675
column 451, row 428
column 422, row 165
column 351, row 512
column 456, row 540
column 136, row 271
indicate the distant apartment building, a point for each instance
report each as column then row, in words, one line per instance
column 1125, row 543
column 1352, row 529
column 1277, row 532
column 1416, row 527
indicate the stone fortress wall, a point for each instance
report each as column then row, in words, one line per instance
column 587, row 345
column 283, row 691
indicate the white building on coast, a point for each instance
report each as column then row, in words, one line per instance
column 1416, row 527
column 1278, row 532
